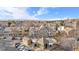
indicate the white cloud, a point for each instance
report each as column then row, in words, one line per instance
column 15, row 13
column 22, row 13
column 41, row 11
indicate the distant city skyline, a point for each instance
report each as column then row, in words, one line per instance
column 39, row 13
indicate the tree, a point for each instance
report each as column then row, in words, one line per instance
column 62, row 23
column 9, row 24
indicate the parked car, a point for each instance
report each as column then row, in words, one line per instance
column 20, row 47
column 16, row 45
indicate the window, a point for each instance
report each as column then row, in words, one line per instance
column 35, row 45
column 46, row 45
column 78, row 39
column 50, row 45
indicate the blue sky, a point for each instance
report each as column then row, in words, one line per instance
column 39, row 13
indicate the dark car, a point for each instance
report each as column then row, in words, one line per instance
column 16, row 45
